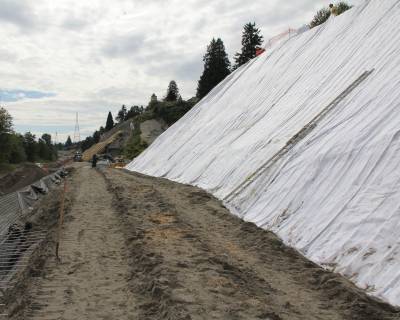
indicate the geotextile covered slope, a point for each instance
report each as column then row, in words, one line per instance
column 305, row 141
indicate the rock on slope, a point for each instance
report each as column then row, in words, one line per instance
column 333, row 192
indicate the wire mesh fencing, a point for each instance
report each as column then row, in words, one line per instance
column 17, row 238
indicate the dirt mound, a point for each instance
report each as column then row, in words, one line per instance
column 21, row 177
column 190, row 257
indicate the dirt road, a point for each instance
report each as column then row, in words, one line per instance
column 136, row 247
column 91, row 281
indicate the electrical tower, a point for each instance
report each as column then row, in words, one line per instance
column 77, row 135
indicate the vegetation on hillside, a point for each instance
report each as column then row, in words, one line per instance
column 172, row 92
column 135, row 144
column 216, row 68
column 16, row 148
column 170, row 110
column 251, row 41
column 323, row 15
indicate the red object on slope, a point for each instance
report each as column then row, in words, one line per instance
column 259, row 51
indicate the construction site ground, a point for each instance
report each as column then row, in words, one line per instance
column 138, row 247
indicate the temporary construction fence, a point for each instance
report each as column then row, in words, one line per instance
column 287, row 34
column 17, row 239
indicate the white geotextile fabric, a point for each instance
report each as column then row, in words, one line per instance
column 335, row 196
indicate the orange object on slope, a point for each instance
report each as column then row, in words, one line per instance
column 259, row 51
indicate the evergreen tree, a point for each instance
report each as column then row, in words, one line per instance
column 121, row 117
column 68, row 143
column 216, row 67
column 110, row 122
column 87, row 143
column 172, row 92
column 96, row 136
column 251, row 41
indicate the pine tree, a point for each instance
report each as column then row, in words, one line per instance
column 96, row 136
column 251, row 41
column 110, row 122
column 216, row 67
column 68, row 143
column 172, row 92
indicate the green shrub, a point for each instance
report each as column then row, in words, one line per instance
column 342, row 7
column 320, row 18
column 135, row 144
column 323, row 15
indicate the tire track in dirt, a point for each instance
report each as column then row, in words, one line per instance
column 191, row 259
column 91, row 281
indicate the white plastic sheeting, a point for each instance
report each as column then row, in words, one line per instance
column 335, row 195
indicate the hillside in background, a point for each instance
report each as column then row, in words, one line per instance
column 136, row 130
column 304, row 141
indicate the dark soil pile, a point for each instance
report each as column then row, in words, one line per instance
column 21, row 177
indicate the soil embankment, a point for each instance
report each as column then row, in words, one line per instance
column 21, row 177
column 136, row 247
column 191, row 259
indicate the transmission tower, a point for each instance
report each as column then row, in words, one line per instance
column 77, row 135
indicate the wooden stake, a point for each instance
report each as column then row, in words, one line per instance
column 61, row 219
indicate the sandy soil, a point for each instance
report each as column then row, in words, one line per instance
column 136, row 247
column 91, row 280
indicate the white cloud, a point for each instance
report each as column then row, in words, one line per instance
column 96, row 54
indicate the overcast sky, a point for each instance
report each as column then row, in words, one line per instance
column 59, row 57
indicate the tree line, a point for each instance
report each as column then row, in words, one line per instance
column 170, row 109
column 216, row 62
column 16, row 148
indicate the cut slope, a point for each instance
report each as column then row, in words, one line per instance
column 333, row 194
column 100, row 147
